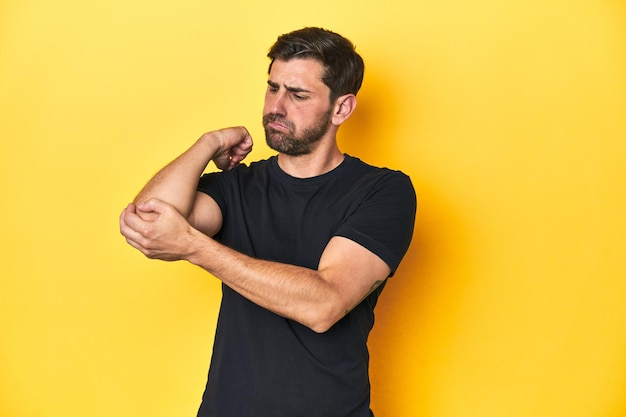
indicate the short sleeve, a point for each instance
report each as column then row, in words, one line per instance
column 211, row 184
column 384, row 221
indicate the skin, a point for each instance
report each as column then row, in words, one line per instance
column 169, row 220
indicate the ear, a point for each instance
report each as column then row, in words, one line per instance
column 344, row 106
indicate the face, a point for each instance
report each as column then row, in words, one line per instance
column 297, row 111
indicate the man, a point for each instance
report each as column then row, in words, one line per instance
column 302, row 242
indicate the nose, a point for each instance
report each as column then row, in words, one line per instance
column 275, row 103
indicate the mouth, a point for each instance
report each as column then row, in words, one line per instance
column 276, row 123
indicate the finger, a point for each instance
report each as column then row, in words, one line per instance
column 145, row 251
column 235, row 160
column 123, row 223
column 132, row 226
column 145, row 207
column 135, row 245
column 153, row 205
column 121, row 219
column 239, row 154
column 246, row 144
column 133, row 237
column 242, row 151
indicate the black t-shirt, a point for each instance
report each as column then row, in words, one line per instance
column 267, row 365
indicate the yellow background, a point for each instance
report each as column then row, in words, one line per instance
column 510, row 117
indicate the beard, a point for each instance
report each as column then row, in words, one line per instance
column 290, row 143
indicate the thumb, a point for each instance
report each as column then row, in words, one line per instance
column 153, row 205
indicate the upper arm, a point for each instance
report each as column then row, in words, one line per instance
column 205, row 215
column 352, row 270
column 383, row 227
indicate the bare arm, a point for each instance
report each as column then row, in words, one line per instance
column 347, row 273
column 314, row 298
column 176, row 183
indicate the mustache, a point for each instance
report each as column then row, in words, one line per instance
column 277, row 118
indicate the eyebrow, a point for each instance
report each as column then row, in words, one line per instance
column 288, row 88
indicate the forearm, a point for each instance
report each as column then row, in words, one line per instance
column 294, row 292
column 316, row 298
column 176, row 183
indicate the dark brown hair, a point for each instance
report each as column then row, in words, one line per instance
column 343, row 66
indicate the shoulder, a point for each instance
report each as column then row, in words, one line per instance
column 383, row 179
column 355, row 164
column 382, row 211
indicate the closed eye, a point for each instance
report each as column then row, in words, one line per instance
column 299, row 94
column 272, row 87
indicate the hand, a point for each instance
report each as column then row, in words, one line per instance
column 235, row 143
column 157, row 230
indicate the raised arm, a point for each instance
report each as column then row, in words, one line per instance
column 176, row 183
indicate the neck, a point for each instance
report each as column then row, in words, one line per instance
column 318, row 162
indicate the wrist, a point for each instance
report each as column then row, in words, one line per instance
column 198, row 246
column 210, row 142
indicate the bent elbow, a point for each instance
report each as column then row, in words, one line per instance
column 321, row 327
column 324, row 319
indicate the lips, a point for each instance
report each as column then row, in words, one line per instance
column 277, row 122
column 277, row 126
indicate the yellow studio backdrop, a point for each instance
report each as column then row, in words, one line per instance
column 510, row 117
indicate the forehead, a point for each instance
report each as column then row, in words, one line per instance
column 296, row 72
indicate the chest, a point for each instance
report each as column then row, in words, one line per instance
column 285, row 223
